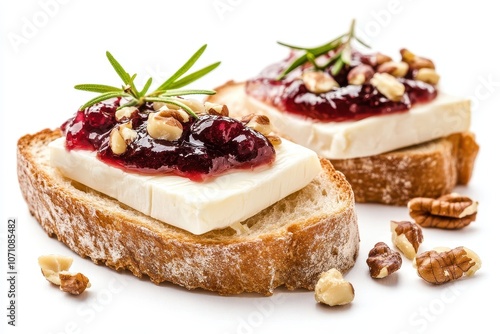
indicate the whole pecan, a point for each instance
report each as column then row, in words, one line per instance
column 445, row 265
column 451, row 211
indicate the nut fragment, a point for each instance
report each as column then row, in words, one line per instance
column 451, row 211
column 260, row 123
column 427, row 75
column 388, row 86
column 415, row 61
column 274, row 140
column 216, row 109
column 360, row 74
column 120, row 137
column 179, row 114
column 397, row 69
column 162, row 125
column 55, row 269
column 52, row 264
column 319, row 82
column 407, row 237
column 125, row 112
column 445, row 265
column 381, row 58
column 383, row 261
column 73, row 283
column 332, row 289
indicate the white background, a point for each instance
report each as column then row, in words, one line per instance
column 48, row 46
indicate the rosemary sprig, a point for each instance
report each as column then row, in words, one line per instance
column 166, row 92
column 341, row 46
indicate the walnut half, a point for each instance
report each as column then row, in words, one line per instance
column 452, row 211
column 444, row 265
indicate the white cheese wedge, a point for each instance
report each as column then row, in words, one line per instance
column 373, row 135
column 193, row 206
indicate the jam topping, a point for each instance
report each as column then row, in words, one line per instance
column 344, row 101
column 208, row 146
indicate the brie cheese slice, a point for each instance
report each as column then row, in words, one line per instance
column 373, row 135
column 193, row 206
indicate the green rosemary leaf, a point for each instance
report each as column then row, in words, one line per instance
column 118, row 68
column 360, row 41
column 97, row 88
column 104, row 97
column 346, row 54
column 146, row 87
column 337, row 66
column 133, row 102
column 194, row 76
column 317, row 51
column 294, row 47
column 191, row 61
column 172, row 101
column 312, row 59
column 133, row 88
column 179, row 92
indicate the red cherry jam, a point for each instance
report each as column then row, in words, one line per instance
column 209, row 146
column 347, row 103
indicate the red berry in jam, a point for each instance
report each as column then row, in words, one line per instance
column 347, row 103
column 210, row 145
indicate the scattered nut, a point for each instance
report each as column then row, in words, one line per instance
column 274, row 140
column 55, row 270
column 451, row 211
column 407, row 237
column 120, row 137
column 319, row 82
column 383, row 261
column 51, row 265
column 163, row 126
column 381, row 58
column 216, row 109
column 388, row 86
column 360, row 74
column 179, row 114
column 445, row 265
column 427, row 75
column 73, row 283
column 257, row 122
column 125, row 112
column 332, row 289
column 397, row 69
column 414, row 61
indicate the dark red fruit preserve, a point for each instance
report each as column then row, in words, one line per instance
column 209, row 146
column 347, row 103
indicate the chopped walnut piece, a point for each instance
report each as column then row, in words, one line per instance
column 407, row 237
column 319, row 82
column 452, row 211
column 383, row 261
column 332, row 289
column 416, row 62
column 360, row 74
column 388, row 86
column 73, row 283
column 52, row 264
column 55, row 270
column 445, row 265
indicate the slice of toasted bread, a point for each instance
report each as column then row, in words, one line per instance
column 290, row 243
column 429, row 169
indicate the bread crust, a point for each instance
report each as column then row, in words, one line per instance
column 430, row 169
column 100, row 228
